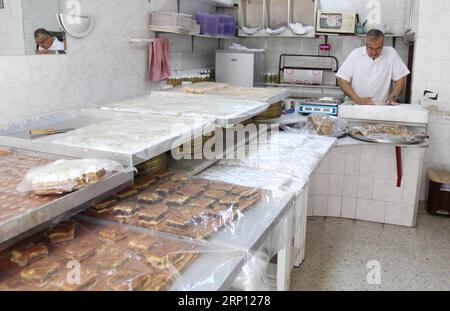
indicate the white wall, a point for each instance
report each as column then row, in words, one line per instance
column 100, row 68
column 432, row 72
column 11, row 29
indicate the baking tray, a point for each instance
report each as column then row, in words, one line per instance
column 279, row 94
column 143, row 136
column 27, row 221
column 414, row 140
column 225, row 111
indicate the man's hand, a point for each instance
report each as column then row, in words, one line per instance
column 363, row 100
column 392, row 100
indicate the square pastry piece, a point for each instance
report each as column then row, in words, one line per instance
column 103, row 206
column 143, row 182
column 149, row 197
column 177, row 177
column 81, row 250
column 198, row 182
column 152, row 214
column 229, row 200
column 167, row 188
column 142, row 244
column 244, row 192
column 63, row 232
column 114, row 233
column 215, row 194
column 191, row 191
column 126, row 210
column 166, row 255
column 111, row 259
column 128, row 280
column 220, row 186
column 181, row 218
column 203, row 203
column 40, row 273
column 177, row 199
column 88, row 279
column 26, row 255
column 127, row 193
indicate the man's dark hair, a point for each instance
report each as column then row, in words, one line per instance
column 42, row 31
column 375, row 34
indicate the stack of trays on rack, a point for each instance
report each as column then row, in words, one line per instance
column 171, row 22
column 274, row 112
column 153, row 166
column 171, row 202
column 110, row 258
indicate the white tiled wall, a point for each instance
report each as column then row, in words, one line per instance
column 432, row 72
column 11, row 29
column 368, row 190
column 100, row 68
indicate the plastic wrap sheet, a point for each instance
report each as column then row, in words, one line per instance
column 63, row 176
column 173, row 203
column 268, row 95
column 141, row 136
column 20, row 212
column 253, row 275
column 226, row 111
column 13, row 168
column 89, row 256
column 293, row 154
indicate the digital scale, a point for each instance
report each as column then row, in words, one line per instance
column 306, row 106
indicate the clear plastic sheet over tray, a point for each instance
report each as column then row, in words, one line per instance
column 226, row 111
column 173, row 203
column 63, row 176
column 320, row 124
column 88, row 256
column 140, row 136
column 269, row 95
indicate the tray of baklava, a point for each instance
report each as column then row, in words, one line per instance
column 174, row 203
column 21, row 211
column 88, row 256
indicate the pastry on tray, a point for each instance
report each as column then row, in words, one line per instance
column 152, row 214
column 141, row 244
column 63, row 232
column 39, row 273
column 143, row 182
column 81, row 250
column 26, row 255
column 111, row 260
column 203, row 203
column 114, row 233
column 88, row 279
column 191, row 191
column 159, row 281
column 229, row 200
column 128, row 280
column 183, row 217
column 176, row 199
column 198, row 182
column 215, row 194
column 246, row 203
column 244, row 192
column 126, row 210
column 177, row 177
column 169, row 253
column 220, row 186
column 167, row 188
column 127, row 193
column 163, row 175
column 149, row 197
column 104, row 205
column 5, row 152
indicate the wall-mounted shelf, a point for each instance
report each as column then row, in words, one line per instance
column 159, row 30
column 285, row 34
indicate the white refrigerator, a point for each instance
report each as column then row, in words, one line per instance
column 240, row 68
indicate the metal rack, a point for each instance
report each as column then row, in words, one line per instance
column 282, row 64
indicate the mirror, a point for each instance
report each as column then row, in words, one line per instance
column 30, row 27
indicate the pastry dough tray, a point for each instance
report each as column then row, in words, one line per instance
column 126, row 137
column 27, row 221
column 414, row 140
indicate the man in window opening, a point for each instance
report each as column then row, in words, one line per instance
column 373, row 74
column 46, row 44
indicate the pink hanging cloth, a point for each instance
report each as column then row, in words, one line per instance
column 158, row 62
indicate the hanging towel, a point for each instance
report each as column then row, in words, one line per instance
column 158, row 62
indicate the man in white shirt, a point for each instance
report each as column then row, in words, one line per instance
column 46, row 43
column 368, row 72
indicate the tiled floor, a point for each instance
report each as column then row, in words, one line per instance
column 338, row 250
